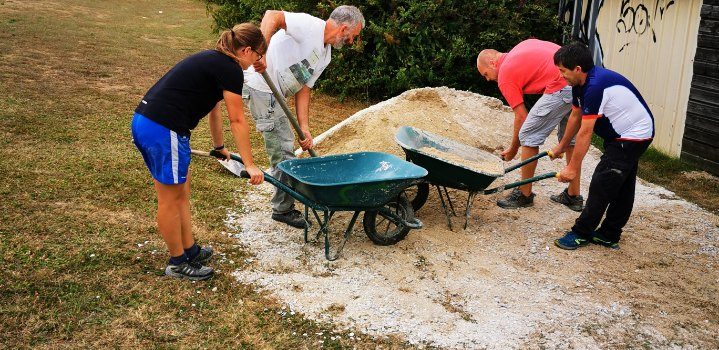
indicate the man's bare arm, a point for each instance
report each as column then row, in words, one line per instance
column 272, row 21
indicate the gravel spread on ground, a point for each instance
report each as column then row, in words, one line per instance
column 501, row 283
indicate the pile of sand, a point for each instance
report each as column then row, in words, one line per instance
column 501, row 283
column 468, row 118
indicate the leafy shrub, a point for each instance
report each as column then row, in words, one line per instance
column 413, row 43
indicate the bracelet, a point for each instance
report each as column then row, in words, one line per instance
column 220, row 147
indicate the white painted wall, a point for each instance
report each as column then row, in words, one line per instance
column 652, row 43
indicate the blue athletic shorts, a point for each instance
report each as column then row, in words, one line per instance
column 166, row 153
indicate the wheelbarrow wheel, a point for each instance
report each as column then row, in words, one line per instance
column 418, row 195
column 384, row 231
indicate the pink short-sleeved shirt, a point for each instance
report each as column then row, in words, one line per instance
column 528, row 69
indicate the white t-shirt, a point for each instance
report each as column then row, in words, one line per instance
column 296, row 56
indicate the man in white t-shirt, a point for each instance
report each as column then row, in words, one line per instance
column 299, row 49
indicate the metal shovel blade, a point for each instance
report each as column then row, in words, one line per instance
column 233, row 166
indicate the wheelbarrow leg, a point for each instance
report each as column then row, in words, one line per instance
column 344, row 239
column 449, row 200
column 326, row 227
column 320, row 222
column 470, row 201
column 307, row 229
column 446, row 212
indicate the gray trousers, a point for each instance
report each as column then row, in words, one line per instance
column 279, row 137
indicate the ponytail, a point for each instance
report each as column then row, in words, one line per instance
column 240, row 36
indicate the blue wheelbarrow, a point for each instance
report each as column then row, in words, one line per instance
column 369, row 182
column 422, row 148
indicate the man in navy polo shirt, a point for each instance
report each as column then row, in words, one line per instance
column 608, row 104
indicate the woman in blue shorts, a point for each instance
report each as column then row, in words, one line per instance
column 161, row 131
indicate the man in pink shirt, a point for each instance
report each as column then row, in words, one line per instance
column 529, row 69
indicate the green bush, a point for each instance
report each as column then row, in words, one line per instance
column 413, row 43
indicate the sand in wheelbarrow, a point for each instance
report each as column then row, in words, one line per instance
column 480, row 162
column 501, row 283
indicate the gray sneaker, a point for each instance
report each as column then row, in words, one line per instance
column 190, row 271
column 516, row 200
column 203, row 256
column 575, row 203
column 293, row 218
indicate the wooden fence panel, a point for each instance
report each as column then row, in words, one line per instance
column 700, row 144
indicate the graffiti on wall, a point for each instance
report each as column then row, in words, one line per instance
column 637, row 18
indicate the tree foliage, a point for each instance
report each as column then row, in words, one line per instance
column 413, row 43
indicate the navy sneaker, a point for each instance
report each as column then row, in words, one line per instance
column 598, row 238
column 571, row 241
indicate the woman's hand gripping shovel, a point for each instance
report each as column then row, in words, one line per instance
column 234, row 164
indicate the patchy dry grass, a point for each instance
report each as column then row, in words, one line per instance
column 81, row 256
column 683, row 179
column 78, row 243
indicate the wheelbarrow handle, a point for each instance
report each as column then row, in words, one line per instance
column 531, row 159
column 522, row 182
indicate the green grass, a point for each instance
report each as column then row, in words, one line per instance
column 664, row 162
column 82, row 258
column 677, row 176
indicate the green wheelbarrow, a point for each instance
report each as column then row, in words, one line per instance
column 447, row 164
column 369, row 182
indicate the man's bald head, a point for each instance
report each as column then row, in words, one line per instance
column 487, row 63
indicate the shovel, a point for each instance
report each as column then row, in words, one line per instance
column 234, row 164
column 288, row 113
column 237, row 167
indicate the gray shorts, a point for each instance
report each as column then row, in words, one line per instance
column 551, row 111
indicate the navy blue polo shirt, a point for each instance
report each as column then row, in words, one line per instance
column 621, row 112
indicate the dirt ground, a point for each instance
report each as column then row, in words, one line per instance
column 501, row 283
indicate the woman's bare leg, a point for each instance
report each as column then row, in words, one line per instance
column 187, row 239
column 170, row 204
